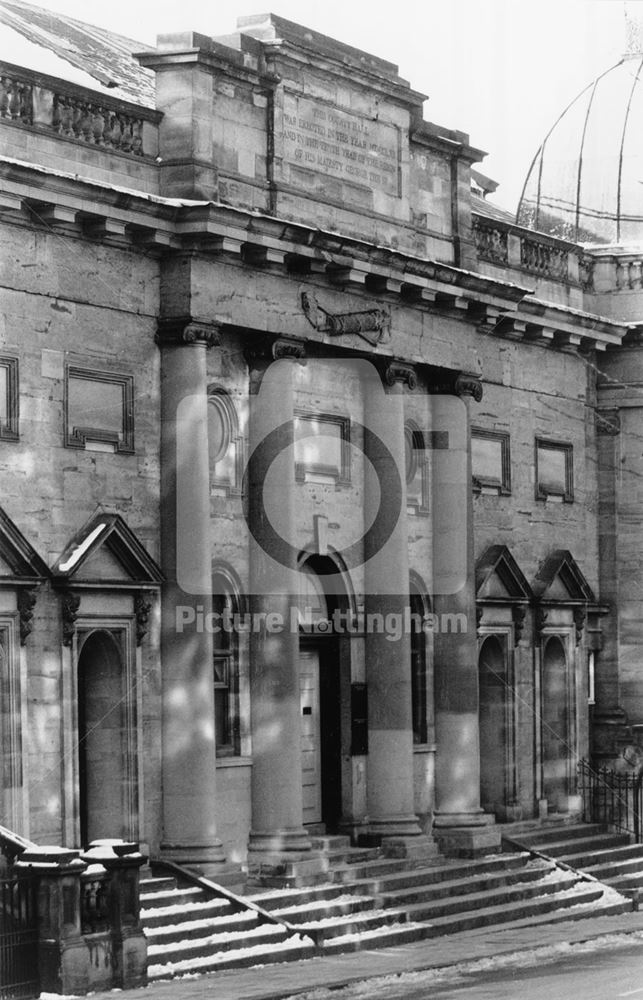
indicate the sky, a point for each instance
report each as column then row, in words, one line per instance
column 500, row 70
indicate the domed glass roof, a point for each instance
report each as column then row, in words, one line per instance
column 586, row 181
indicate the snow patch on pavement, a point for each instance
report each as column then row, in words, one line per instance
column 386, row 987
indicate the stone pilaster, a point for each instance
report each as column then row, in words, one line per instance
column 388, row 663
column 460, row 825
column 279, row 846
column 189, row 760
column 610, row 729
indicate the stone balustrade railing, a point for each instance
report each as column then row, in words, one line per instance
column 543, row 259
column 41, row 102
column 511, row 246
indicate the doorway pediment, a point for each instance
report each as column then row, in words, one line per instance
column 561, row 581
column 20, row 564
column 106, row 553
column 499, row 578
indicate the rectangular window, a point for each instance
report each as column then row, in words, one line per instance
column 322, row 447
column 490, row 461
column 226, row 676
column 9, row 398
column 99, row 410
column 554, row 471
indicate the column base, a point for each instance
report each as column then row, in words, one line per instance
column 290, row 839
column 466, row 835
column 402, row 837
column 208, row 860
column 283, row 858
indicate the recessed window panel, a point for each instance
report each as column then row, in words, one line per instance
column 322, row 449
column 9, row 398
column 100, row 410
column 554, row 470
column 490, row 461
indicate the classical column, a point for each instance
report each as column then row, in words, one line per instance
column 189, row 758
column 388, row 649
column 460, row 825
column 278, row 839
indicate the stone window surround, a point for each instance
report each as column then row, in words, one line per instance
column 78, row 437
column 221, row 400
column 342, row 475
column 9, row 426
column 501, row 486
column 544, row 492
column 228, row 656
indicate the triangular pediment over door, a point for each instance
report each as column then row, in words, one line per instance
column 560, row 580
column 106, row 553
column 499, row 579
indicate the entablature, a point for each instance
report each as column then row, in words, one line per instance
column 33, row 195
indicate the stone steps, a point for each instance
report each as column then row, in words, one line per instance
column 546, row 909
column 609, row 857
column 439, row 872
column 422, row 892
column 548, row 834
column 189, row 931
column 367, row 901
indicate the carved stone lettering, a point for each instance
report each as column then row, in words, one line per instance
column 340, row 144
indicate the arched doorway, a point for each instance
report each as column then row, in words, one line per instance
column 556, row 749
column 104, row 757
column 494, row 735
column 319, row 672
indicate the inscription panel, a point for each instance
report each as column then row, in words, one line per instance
column 341, row 144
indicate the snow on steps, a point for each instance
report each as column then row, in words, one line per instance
column 187, row 931
column 438, row 897
column 372, row 902
column 609, row 857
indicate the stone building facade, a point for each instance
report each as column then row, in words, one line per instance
column 319, row 502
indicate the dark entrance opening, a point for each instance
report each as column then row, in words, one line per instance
column 556, row 751
column 492, row 679
column 320, row 673
column 102, row 744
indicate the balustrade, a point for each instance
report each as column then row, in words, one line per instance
column 544, row 259
column 97, row 125
column 491, row 242
column 104, row 123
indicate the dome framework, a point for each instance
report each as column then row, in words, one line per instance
column 585, row 182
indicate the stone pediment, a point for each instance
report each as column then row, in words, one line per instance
column 561, row 581
column 499, row 578
column 107, row 553
column 20, row 564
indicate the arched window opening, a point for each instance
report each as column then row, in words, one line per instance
column 225, row 442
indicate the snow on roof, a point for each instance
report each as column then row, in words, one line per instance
column 79, row 53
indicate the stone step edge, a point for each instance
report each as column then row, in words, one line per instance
column 185, row 948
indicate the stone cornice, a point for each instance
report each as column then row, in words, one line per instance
column 85, row 208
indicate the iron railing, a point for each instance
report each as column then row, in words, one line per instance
column 612, row 797
column 18, row 939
